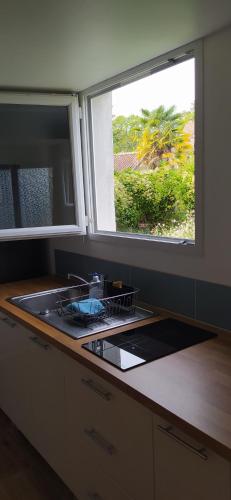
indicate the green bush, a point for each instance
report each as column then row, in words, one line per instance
column 146, row 200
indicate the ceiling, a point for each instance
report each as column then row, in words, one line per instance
column 72, row 44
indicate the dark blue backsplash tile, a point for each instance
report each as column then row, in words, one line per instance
column 205, row 301
column 68, row 262
column 165, row 290
column 161, row 289
column 23, row 259
column 213, row 304
column 83, row 265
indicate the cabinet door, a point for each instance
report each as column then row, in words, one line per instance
column 185, row 470
column 48, row 404
column 15, row 370
column 93, row 484
column 112, row 429
column 32, row 389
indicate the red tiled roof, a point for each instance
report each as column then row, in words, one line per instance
column 125, row 160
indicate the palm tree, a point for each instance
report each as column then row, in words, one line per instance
column 164, row 138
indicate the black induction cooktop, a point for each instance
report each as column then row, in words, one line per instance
column 147, row 343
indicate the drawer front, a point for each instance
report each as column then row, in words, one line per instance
column 89, row 482
column 186, row 469
column 114, row 429
column 15, row 368
column 48, row 405
column 13, row 336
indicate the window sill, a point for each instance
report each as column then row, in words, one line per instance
column 40, row 232
column 150, row 243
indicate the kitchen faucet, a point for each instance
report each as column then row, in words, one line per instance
column 71, row 275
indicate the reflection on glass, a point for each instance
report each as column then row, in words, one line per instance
column 7, row 218
column 122, row 358
column 36, row 181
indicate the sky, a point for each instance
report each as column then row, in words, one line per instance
column 172, row 86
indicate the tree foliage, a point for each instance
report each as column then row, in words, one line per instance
column 159, row 196
column 147, row 200
column 158, row 135
column 163, row 137
column 126, row 133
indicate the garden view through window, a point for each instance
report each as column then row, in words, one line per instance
column 143, row 147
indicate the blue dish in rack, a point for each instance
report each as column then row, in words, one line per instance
column 86, row 307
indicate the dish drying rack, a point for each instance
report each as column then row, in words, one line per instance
column 114, row 302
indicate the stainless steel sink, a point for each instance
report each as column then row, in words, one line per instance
column 46, row 306
column 42, row 303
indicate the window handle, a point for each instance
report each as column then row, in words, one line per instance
column 200, row 452
column 100, row 441
column 91, row 385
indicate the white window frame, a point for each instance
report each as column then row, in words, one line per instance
column 194, row 49
column 71, row 101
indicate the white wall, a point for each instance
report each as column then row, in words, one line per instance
column 214, row 262
column 73, row 44
column 103, row 161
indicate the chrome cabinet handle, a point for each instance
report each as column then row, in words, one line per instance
column 94, row 496
column 41, row 344
column 100, row 441
column 91, row 385
column 8, row 321
column 200, row 452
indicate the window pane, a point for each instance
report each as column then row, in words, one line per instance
column 35, row 195
column 35, row 167
column 7, row 218
column 143, row 144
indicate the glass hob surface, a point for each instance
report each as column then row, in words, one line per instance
column 147, row 343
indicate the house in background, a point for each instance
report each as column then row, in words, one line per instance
column 126, row 160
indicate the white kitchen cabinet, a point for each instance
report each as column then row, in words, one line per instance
column 32, row 389
column 184, row 469
column 113, row 430
column 48, row 404
column 102, row 443
column 15, row 369
column 13, row 336
column 91, row 483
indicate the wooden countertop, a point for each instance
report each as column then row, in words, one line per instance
column 191, row 388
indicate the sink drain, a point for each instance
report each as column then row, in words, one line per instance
column 44, row 313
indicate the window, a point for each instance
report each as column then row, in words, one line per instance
column 143, row 152
column 41, row 187
column 141, row 136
